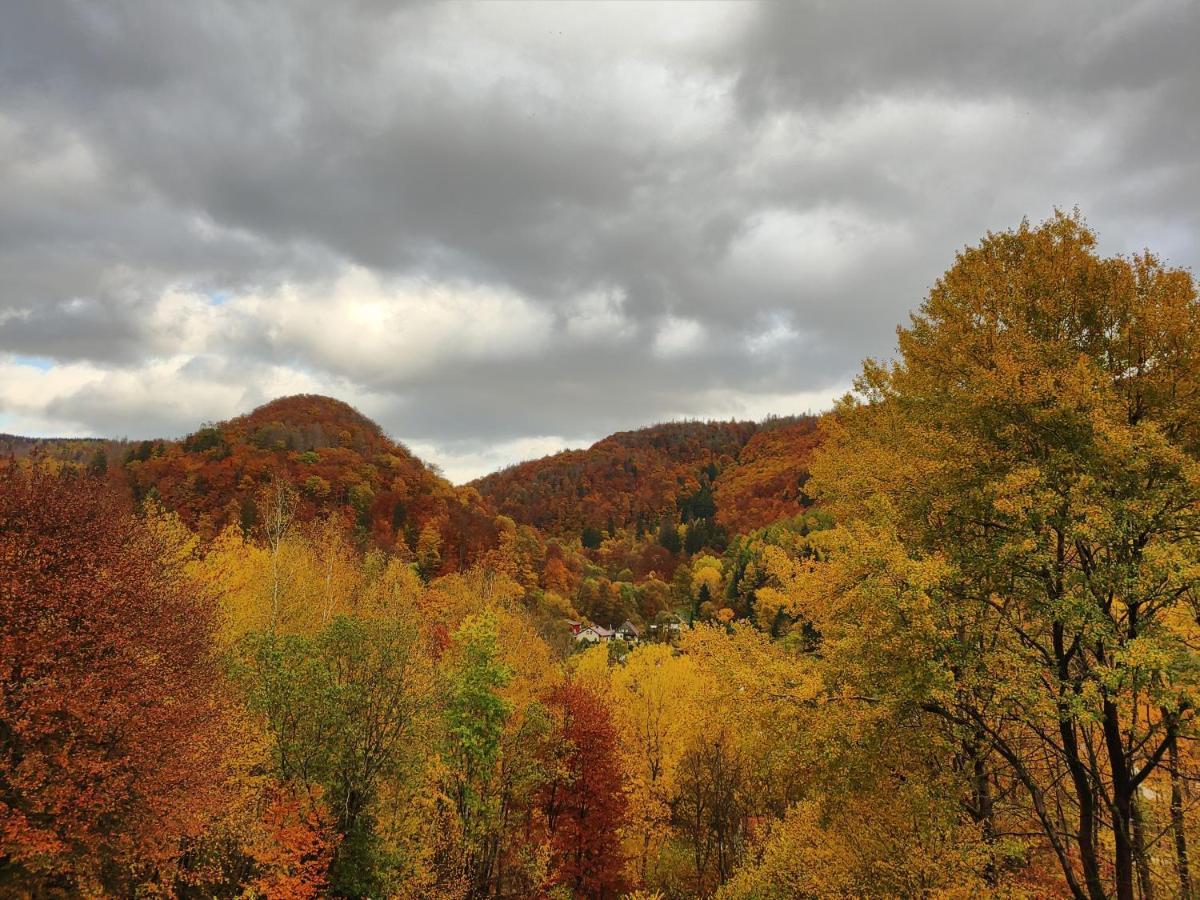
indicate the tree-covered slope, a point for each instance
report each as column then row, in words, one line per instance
column 742, row 474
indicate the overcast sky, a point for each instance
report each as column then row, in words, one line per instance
column 500, row 230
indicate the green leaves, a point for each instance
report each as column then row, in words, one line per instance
column 344, row 710
column 476, row 713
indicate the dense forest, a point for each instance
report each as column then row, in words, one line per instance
column 943, row 641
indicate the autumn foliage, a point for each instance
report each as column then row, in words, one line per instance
column 756, row 472
column 111, row 728
column 767, row 481
column 341, row 464
column 585, row 802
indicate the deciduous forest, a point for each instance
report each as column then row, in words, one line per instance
column 941, row 641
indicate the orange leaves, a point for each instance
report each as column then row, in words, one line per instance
column 113, row 718
column 343, row 467
column 627, row 479
column 767, row 483
column 585, row 804
column 296, row 848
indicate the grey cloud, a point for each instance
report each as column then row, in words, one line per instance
column 556, row 152
column 827, row 53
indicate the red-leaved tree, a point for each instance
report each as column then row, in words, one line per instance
column 584, row 802
column 111, row 716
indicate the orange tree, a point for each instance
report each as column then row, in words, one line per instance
column 111, row 717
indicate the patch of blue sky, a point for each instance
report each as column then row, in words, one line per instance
column 41, row 363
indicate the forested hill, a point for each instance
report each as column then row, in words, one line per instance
column 742, row 475
column 338, row 461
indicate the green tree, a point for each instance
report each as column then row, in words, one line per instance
column 476, row 714
column 98, row 464
column 668, row 535
column 591, row 537
column 345, row 710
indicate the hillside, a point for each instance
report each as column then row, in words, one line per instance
column 766, row 482
column 340, row 463
column 741, row 474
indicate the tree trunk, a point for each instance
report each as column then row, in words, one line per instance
column 1145, row 886
column 1080, row 780
column 982, row 806
column 1087, row 816
column 1182, row 867
column 1122, row 794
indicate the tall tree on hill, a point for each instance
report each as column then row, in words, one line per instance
column 276, row 508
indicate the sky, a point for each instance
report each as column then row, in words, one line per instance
column 505, row 229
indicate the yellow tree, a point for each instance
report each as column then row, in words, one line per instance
column 1037, row 438
column 860, row 847
column 429, row 550
column 655, row 696
column 706, row 586
column 775, row 599
column 765, row 695
column 517, row 551
column 294, row 586
column 337, row 567
column 716, row 746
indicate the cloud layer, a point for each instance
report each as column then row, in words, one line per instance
column 504, row 229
